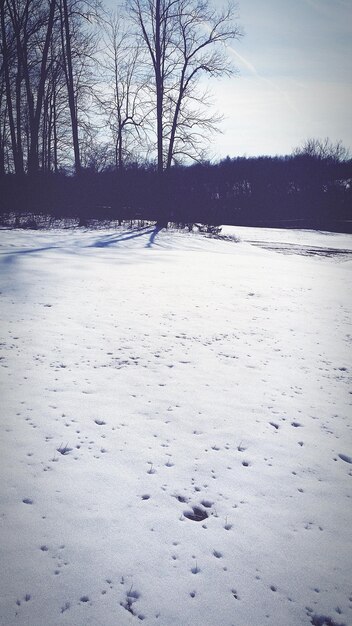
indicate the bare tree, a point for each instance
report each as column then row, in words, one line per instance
column 3, row 118
column 155, row 21
column 78, row 55
column 68, row 67
column 185, row 39
column 124, row 100
column 323, row 149
column 32, row 27
column 8, row 52
column 29, row 61
column 46, row 55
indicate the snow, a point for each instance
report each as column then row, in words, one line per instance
column 176, row 428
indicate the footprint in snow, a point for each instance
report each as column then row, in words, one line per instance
column 324, row 620
column 64, row 450
column 345, row 458
column 131, row 598
column 196, row 515
column 182, row 499
column 207, row 503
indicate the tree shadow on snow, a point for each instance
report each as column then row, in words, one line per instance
column 113, row 239
column 9, row 257
column 152, row 237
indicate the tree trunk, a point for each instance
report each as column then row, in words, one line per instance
column 33, row 157
column 55, row 133
column 159, row 87
column 50, row 132
column 2, row 141
column 18, row 113
column 17, row 162
column 173, row 130
column 67, row 52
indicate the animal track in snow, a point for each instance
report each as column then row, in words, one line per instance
column 196, row 515
column 217, row 554
column 345, row 458
column 131, row 598
column 65, row 607
column 151, row 469
column 324, row 620
column 207, row 503
column 182, row 499
column 64, row 449
column 26, row 598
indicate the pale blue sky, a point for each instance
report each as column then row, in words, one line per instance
column 295, row 78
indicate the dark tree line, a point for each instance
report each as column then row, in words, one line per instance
column 305, row 190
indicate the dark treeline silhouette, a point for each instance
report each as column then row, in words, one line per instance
column 299, row 191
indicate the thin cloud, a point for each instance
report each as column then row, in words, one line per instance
column 244, row 61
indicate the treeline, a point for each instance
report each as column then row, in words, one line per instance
column 299, row 191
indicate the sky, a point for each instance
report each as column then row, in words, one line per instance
column 294, row 80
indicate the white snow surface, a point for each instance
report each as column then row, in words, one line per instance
column 150, row 377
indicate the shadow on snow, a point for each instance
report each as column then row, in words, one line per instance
column 109, row 240
column 102, row 242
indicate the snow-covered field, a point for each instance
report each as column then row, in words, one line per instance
column 176, row 428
